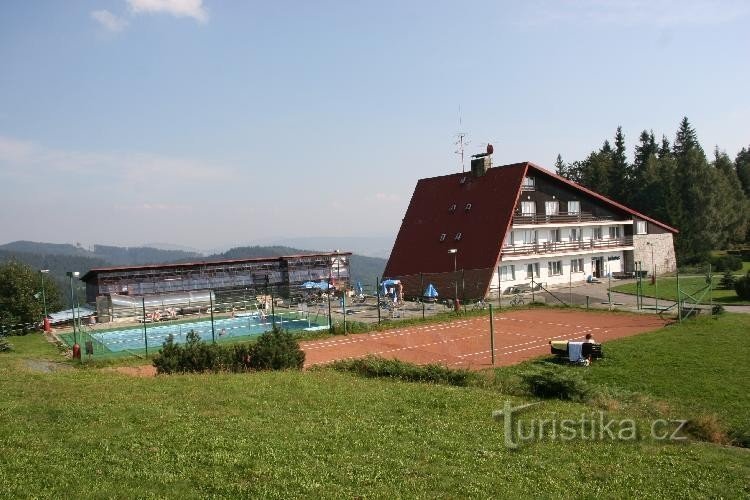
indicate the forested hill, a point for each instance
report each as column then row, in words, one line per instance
column 111, row 255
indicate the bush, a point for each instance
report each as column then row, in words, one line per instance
column 5, row 345
column 375, row 366
column 275, row 350
column 555, row 383
column 726, row 263
column 717, row 309
column 742, row 287
column 727, row 281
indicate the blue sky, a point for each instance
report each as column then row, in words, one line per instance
column 207, row 123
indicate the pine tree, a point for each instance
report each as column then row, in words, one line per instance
column 742, row 167
column 643, row 151
column 735, row 208
column 560, row 168
column 665, row 150
column 620, row 170
column 698, row 196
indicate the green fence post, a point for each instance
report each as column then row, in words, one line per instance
column 328, row 296
column 587, row 302
column 211, row 304
column 679, row 302
column 377, row 296
column 145, row 336
column 492, row 337
column 499, row 289
column 421, row 291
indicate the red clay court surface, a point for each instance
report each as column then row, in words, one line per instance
column 465, row 343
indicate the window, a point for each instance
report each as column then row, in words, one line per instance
column 458, row 236
column 467, row 207
column 508, row 273
column 551, row 207
column 554, row 235
column 528, row 208
column 529, row 236
column 532, row 270
column 575, row 234
column 576, row 266
column 614, row 232
column 442, row 237
column 640, row 227
column 597, row 233
column 574, row 207
column 528, row 184
column 509, row 239
column 554, row 267
column 452, row 208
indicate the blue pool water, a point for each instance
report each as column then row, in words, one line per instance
column 225, row 328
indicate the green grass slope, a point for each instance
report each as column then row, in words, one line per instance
column 95, row 433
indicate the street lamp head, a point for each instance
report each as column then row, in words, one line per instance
column 73, row 274
column 453, row 250
column 44, row 271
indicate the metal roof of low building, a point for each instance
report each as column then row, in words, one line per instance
column 91, row 273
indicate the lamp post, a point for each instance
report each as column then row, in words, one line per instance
column 653, row 277
column 71, row 275
column 454, row 251
column 42, row 272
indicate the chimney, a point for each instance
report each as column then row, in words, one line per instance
column 481, row 162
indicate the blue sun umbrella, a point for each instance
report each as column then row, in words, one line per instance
column 430, row 292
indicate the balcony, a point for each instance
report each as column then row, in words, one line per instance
column 567, row 246
column 560, row 218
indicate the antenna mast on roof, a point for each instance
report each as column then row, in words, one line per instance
column 461, row 142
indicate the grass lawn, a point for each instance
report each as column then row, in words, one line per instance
column 667, row 288
column 94, row 433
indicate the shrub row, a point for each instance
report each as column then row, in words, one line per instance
column 375, row 366
column 274, row 350
column 555, row 382
column 742, row 287
column 5, row 345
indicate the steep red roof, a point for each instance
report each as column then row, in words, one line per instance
column 492, row 197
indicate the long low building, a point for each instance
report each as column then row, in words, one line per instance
column 190, row 283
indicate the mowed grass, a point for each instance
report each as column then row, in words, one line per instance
column 666, row 288
column 699, row 366
column 96, row 433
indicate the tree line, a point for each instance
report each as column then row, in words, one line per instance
column 675, row 183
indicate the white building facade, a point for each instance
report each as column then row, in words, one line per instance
column 559, row 237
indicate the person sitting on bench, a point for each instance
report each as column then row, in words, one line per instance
column 589, row 339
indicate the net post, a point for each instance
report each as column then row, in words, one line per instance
column 492, row 336
column 377, row 296
column 421, row 291
column 211, row 304
column 679, row 301
column 145, row 337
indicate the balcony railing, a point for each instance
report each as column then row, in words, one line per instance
column 567, row 246
column 560, row 218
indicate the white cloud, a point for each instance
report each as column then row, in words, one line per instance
column 109, row 21
column 177, row 8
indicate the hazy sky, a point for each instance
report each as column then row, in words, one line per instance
column 207, row 123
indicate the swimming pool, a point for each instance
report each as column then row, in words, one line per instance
column 225, row 328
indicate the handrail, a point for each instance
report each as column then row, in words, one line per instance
column 561, row 217
column 562, row 246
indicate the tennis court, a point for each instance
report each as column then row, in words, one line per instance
column 465, row 343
